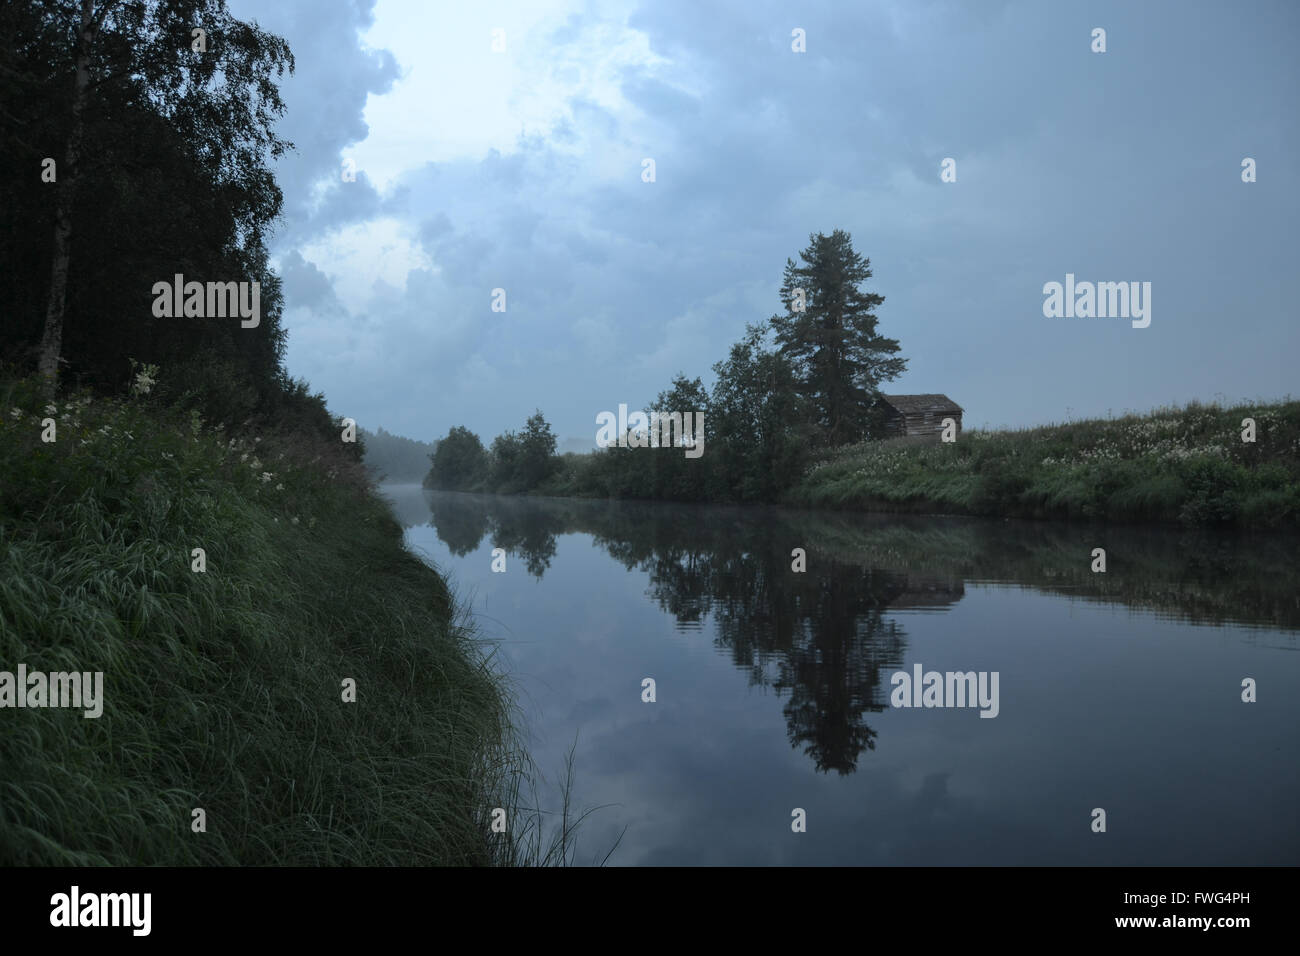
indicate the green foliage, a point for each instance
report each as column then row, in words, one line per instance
column 1185, row 465
column 671, row 475
column 517, row 461
column 838, row 356
column 506, row 453
column 173, row 177
column 460, row 463
column 535, row 460
column 222, row 689
column 998, row 488
column 759, row 424
column 770, row 408
column 292, row 409
column 1213, row 488
column 767, row 407
column 215, row 387
column 766, row 410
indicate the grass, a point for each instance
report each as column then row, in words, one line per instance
column 1185, row 466
column 223, row 688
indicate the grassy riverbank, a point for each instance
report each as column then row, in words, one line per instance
column 223, row 689
column 1185, row 466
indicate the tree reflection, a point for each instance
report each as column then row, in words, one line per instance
column 820, row 639
column 460, row 521
column 825, row 640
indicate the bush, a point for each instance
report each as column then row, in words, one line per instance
column 460, row 462
column 1213, row 487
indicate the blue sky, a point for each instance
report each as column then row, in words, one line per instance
column 522, row 170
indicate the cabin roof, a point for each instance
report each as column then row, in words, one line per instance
column 909, row 404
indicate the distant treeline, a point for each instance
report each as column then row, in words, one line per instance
column 1194, row 466
column 803, row 381
column 1200, row 465
column 396, row 458
column 794, row 417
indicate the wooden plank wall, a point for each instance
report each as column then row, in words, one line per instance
column 931, row 425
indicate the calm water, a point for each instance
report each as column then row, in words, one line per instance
column 1119, row 690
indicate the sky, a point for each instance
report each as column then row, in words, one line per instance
column 521, row 168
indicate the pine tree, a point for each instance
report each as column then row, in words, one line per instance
column 829, row 335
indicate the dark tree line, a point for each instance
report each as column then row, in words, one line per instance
column 395, row 457
column 134, row 149
column 516, row 461
column 806, row 380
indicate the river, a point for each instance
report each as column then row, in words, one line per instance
column 774, row 689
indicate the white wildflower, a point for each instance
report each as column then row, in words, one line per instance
column 144, row 378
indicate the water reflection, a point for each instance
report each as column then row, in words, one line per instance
column 826, row 639
column 702, row 557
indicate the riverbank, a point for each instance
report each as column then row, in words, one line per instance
column 229, row 588
column 1199, row 466
column 1186, row 466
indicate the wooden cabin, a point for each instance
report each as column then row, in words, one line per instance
column 912, row 416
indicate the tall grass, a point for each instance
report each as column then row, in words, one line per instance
column 1185, row 466
column 223, row 688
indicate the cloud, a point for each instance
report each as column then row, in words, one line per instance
column 522, row 171
column 305, row 285
column 325, row 99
